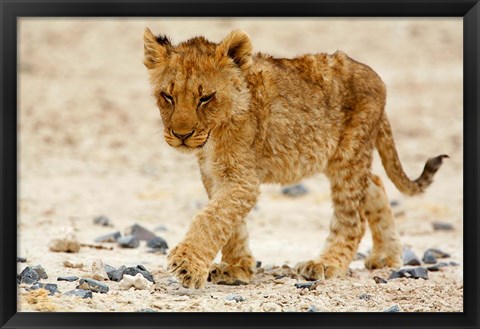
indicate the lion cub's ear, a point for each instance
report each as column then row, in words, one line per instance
column 238, row 47
column 156, row 49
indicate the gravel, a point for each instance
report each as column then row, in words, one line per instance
column 80, row 293
column 93, row 285
column 51, row 287
column 28, row 275
column 67, row 278
column 103, row 221
column 410, row 258
column 128, row 241
column 412, row 273
column 110, row 237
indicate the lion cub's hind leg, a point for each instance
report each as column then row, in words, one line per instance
column 387, row 248
column 237, row 261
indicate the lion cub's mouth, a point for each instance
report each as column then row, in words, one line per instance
column 196, row 141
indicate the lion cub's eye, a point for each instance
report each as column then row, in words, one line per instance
column 207, row 98
column 167, row 97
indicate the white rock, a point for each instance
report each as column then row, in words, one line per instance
column 138, row 282
column 98, row 270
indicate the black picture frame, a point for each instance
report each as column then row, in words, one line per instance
column 11, row 10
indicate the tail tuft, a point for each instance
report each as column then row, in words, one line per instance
column 431, row 167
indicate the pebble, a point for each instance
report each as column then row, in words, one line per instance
column 21, row 259
column 295, row 190
column 378, row 280
column 410, row 258
column 438, row 253
column 67, row 278
column 128, row 241
column 98, row 270
column 312, row 308
column 93, row 285
column 437, row 266
column 146, row 310
column 394, row 308
column 394, row 203
column 429, row 257
column 235, row 297
column 103, row 221
column 67, row 243
column 138, row 282
column 72, row 265
column 117, row 275
column 303, row 285
column 51, row 287
column 413, row 273
column 40, row 271
column 258, row 264
column 270, row 307
column 365, row 296
column 140, row 232
column 80, row 293
column 110, row 237
column 441, row 226
column 28, row 276
column 158, row 243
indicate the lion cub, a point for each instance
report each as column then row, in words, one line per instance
column 252, row 119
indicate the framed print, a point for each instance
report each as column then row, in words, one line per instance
column 231, row 164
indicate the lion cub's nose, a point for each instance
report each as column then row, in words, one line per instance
column 183, row 136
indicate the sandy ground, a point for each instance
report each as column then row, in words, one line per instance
column 91, row 144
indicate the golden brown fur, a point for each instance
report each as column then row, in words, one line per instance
column 253, row 119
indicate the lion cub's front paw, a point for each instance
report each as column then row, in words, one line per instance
column 379, row 260
column 230, row 274
column 316, row 270
column 188, row 267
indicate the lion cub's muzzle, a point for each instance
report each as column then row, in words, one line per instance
column 192, row 139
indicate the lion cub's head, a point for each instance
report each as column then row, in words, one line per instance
column 199, row 85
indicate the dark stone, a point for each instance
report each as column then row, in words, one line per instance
column 141, row 233
column 440, row 226
column 411, row 273
column 410, row 258
column 235, row 297
column 51, row 287
column 438, row 253
column 67, row 278
column 117, row 275
column 102, row 220
column 40, row 271
column 21, row 259
column 394, row 308
column 429, row 257
column 128, row 241
column 110, row 237
column 312, row 309
column 437, row 266
column 109, row 269
column 146, row 310
column 80, row 293
column 359, row 256
column 394, row 203
column 379, row 280
column 453, row 263
column 158, row 243
column 303, row 285
column 29, row 276
column 365, row 296
column 93, row 285
column 258, row 264
column 295, row 190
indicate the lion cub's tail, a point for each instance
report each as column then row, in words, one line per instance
column 386, row 148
